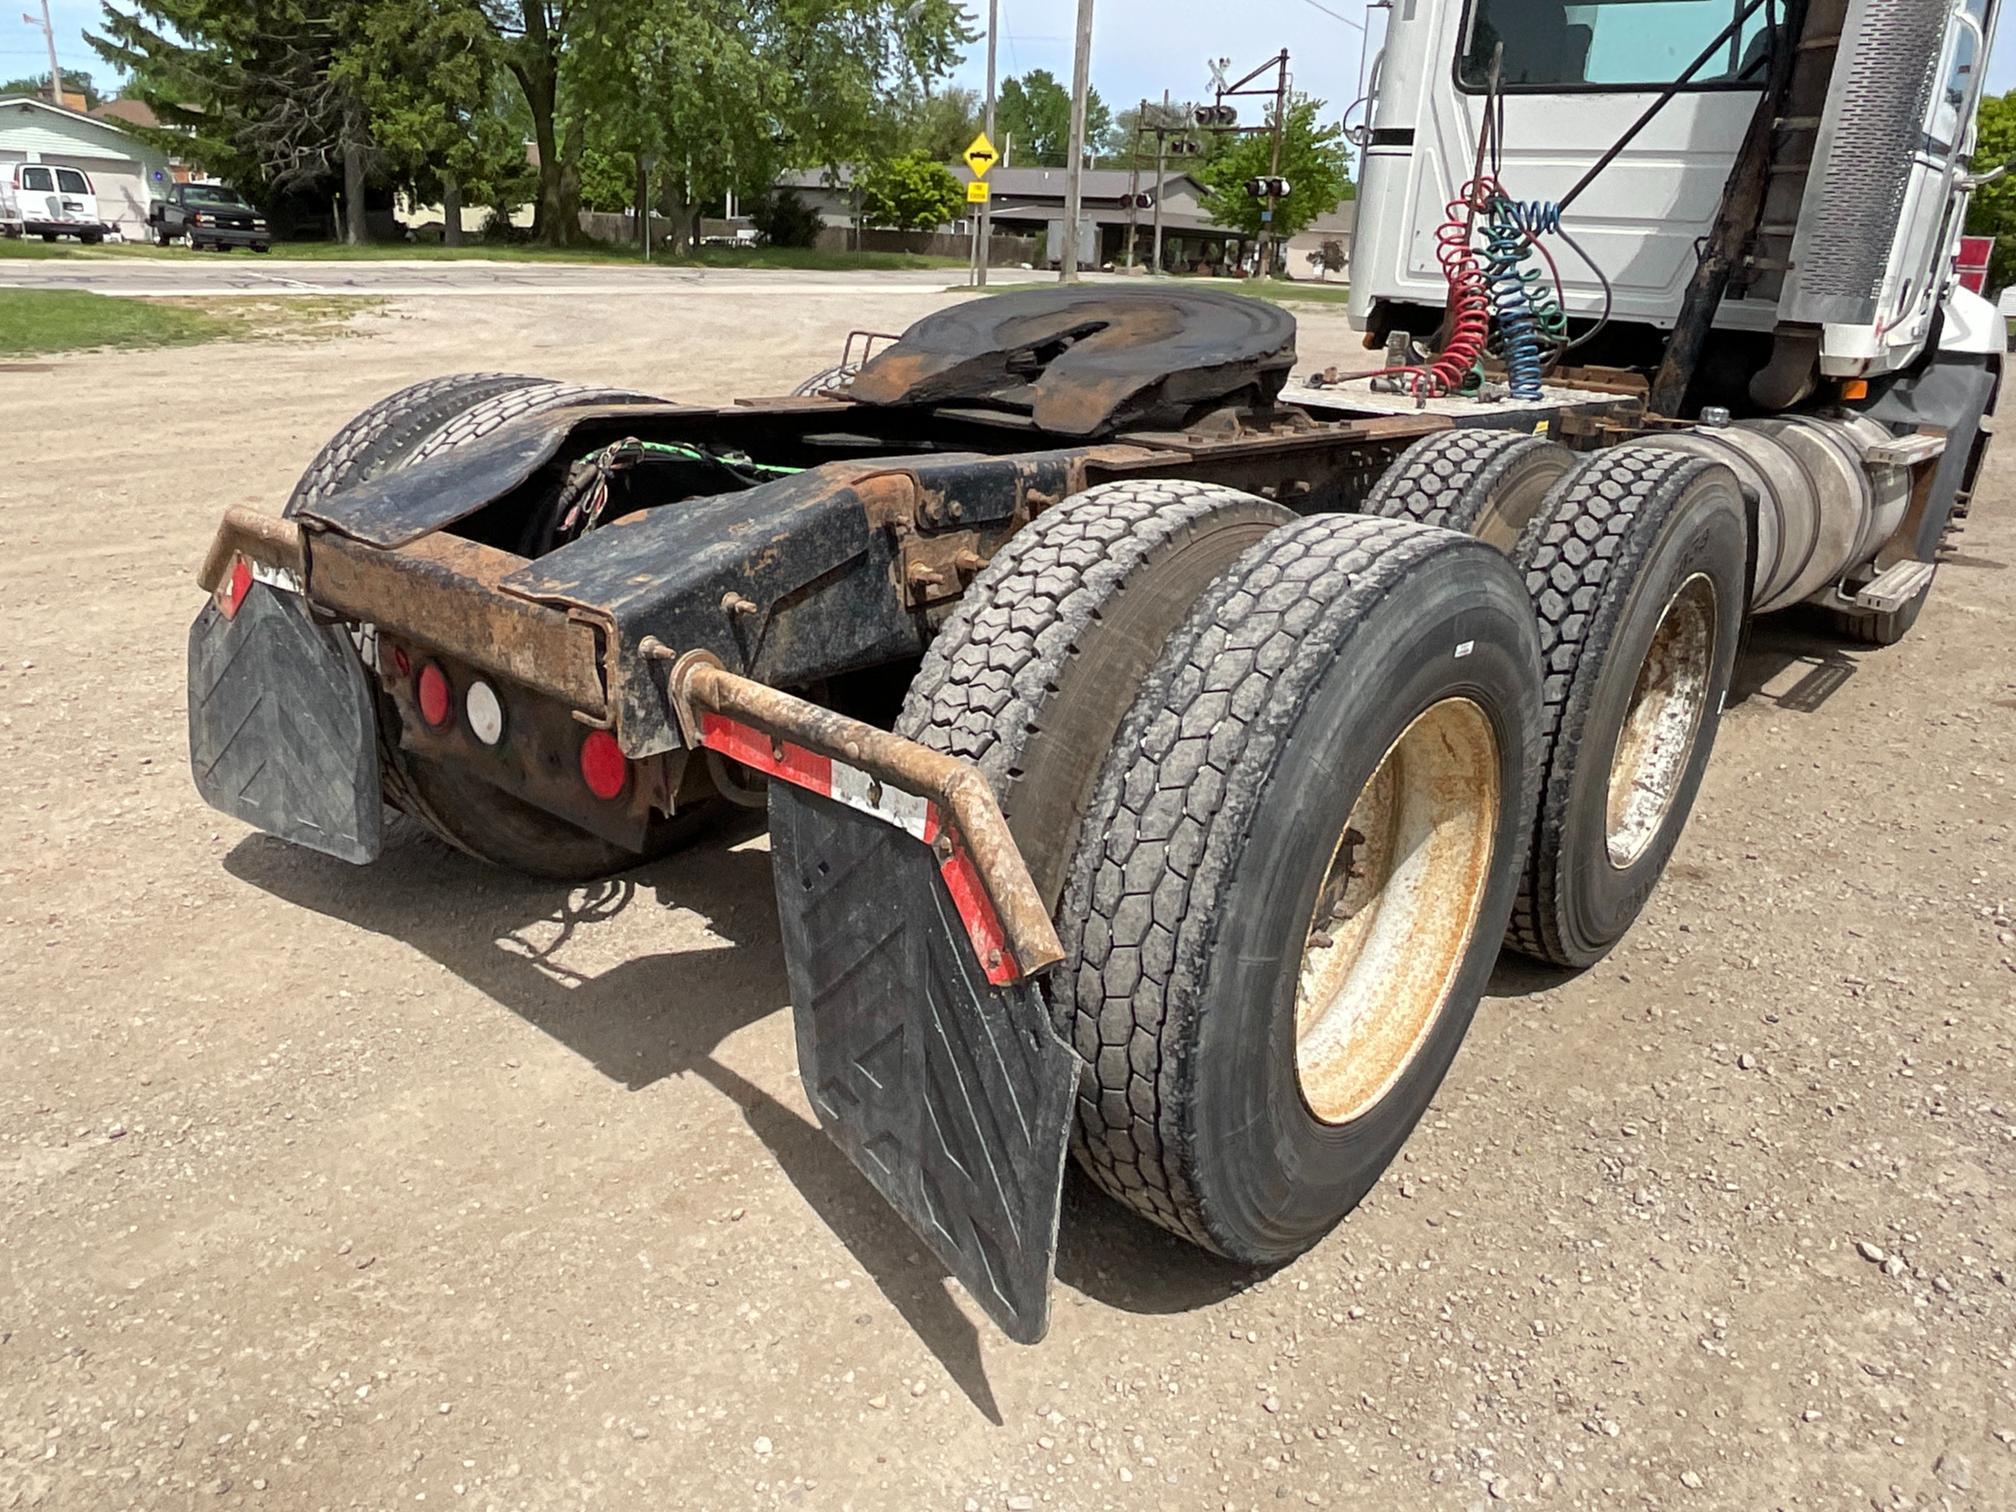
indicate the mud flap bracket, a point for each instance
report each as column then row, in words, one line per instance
column 913, row 940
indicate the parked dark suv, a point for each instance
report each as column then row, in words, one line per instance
column 207, row 215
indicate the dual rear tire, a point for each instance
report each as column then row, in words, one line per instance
column 1294, row 822
column 1637, row 561
column 1317, row 756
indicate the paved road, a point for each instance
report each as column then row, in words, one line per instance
column 247, row 274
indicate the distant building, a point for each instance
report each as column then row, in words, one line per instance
column 126, row 174
column 1031, row 200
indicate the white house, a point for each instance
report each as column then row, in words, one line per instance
column 125, row 173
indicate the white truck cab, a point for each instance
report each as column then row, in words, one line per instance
column 1850, row 262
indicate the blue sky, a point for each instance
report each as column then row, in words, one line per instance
column 1139, row 47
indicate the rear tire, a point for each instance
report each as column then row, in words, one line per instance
column 1485, row 483
column 1030, row 677
column 1639, row 568
column 1257, row 1052
column 422, row 421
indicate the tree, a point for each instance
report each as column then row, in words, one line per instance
column 1330, row 258
column 1992, row 209
column 785, row 220
column 426, row 74
column 249, row 89
column 75, row 81
column 723, row 94
column 1314, row 159
column 939, row 126
column 910, row 193
column 1131, row 142
column 1033, row 113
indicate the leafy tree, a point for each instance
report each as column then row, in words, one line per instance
column 75, row 81
column 1131, row 142
column 1034, row 111
column 722, row 94
column 1330, row 258
column 1314, row 159
column 910, row 193
column 939, row 126
column 426, row 74
column 1992, row 209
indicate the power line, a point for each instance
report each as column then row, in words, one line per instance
column 1333, row 15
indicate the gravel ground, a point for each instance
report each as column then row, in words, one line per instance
column 333, row 1188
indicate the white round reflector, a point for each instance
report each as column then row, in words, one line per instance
column 486, row 714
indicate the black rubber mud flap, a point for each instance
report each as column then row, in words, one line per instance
column 283, row 733
column 953, row 1096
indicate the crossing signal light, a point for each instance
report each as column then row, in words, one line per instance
column 1216, row 115
column 1267, row 188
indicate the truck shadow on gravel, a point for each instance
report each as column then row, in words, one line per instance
column 663, row 1014
column 1792, row 664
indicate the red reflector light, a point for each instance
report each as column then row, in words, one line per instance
column 604, row 767
column 436, row 700
column 231, row 592
column 401, row 661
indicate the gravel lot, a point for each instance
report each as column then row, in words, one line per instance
column 323, row 1187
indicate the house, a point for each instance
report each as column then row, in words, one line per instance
column 125, row 173
column 1031, row 200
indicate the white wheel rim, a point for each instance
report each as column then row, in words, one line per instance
column 1657, row 736
column 1397, row 911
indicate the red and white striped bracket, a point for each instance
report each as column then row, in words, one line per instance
column 919, row 818
column 245, row 571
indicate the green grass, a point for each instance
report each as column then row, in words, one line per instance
column 702, row 257
column 40, row 322
column 1274, row 290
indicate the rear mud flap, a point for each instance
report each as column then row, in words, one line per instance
column 952, row 1094
column 283, row 730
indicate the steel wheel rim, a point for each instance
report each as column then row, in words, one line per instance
column 1398, row 908
column 1657, row 737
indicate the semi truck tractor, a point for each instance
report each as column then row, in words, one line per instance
column 1160, row 737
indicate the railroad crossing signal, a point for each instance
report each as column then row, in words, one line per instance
column 977, row 192
column 980, row 156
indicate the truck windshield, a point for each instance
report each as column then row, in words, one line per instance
column 216, row 195
column 1608, row 44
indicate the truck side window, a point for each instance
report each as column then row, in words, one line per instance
column 1607, row 44
column 36, row 178
column 70, row 181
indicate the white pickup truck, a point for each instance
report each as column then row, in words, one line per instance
column 47, row 200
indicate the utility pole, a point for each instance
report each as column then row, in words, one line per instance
column 1134, row 181
column 49, row 36
column 1266, row 267
column 1074, row 180
column 1161, row 158
column 986, row 250
column 1223, row 121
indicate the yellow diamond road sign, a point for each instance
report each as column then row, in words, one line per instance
column 977, row 192
column 980, row 155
